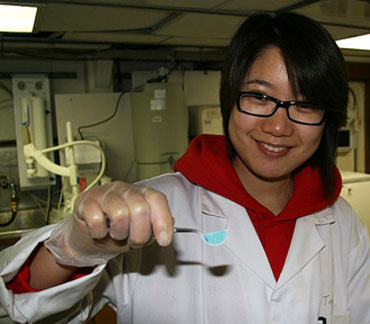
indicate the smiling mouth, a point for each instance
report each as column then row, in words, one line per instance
column 275, row 149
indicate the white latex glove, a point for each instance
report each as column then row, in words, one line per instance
column 109, row 220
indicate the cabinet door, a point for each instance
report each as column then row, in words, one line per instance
column 358, row 195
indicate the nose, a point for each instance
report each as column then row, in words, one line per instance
column 278, row 124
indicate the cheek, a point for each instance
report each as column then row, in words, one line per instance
column 239, row 123
column 236, row 131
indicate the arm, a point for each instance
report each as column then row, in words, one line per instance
column 20, row 302
column 107, row 220
column 43, row 265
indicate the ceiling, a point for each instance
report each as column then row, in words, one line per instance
column 158, row 29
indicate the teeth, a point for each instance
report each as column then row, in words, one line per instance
column 273, row 148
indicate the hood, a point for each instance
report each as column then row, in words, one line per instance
column 207, row 164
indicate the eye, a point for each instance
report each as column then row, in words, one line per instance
column 305, row 106
column 259, row 96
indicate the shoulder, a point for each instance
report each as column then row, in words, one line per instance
column 348, row 227
column 169, row 182
column 346, row 217
column 182, row 192
column 176, row 187
column 347, row 231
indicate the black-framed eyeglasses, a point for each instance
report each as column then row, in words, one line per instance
column 261, row 105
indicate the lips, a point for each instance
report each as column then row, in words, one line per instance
column 273, row 148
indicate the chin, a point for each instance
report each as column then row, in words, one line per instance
column 272, row 175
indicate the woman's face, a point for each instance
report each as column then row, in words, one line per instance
column 270, row 147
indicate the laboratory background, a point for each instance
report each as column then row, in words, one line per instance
column 94, row 91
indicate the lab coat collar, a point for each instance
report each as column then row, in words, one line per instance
column 324, row 217
column 306, row 243
column 243, row 242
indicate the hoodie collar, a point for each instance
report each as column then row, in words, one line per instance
column 206, row 163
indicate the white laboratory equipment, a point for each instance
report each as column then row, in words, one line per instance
column 205, row 120
column 356, row 190
column 32, row 112
column 160, row 127
column 38, row 156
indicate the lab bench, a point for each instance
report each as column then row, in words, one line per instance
column 25, row 221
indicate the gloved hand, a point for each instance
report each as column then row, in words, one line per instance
column 109, row 220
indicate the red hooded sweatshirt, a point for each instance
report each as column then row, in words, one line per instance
column 206, row 163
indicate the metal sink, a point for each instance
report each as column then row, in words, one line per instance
column 25, row 221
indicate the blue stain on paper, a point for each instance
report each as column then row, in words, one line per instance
column 215, row 238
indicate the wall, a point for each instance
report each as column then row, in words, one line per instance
column 115, row 135
column 82, row 92
column 200, row 88
column 58, row 84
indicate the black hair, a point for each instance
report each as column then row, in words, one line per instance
column 315, row 67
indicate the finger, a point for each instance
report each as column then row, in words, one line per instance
column 118, row 215
column 94, row 217
column 89, row 213
column 140, row 229
column 161, row 218
column 84, row 198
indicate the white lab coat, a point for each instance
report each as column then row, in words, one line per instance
column 326, row 274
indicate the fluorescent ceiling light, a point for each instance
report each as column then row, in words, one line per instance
column 17, row 19
column 359, row 42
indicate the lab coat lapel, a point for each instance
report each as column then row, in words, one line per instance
column 244, row 243
column 306, row 244
column 242, row 240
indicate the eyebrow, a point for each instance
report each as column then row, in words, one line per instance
column 260, row 82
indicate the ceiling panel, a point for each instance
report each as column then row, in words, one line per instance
column 196, row 41
column 341, row 12
column 338, row 32
column 202, row 25
column 204, row 4
column 114, row 38
column 65, row 17
column 335, row 9
column 201, row 4
column 242, row 5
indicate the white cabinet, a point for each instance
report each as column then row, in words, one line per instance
column 356, row 190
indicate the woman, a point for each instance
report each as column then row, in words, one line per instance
column 295, row 252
